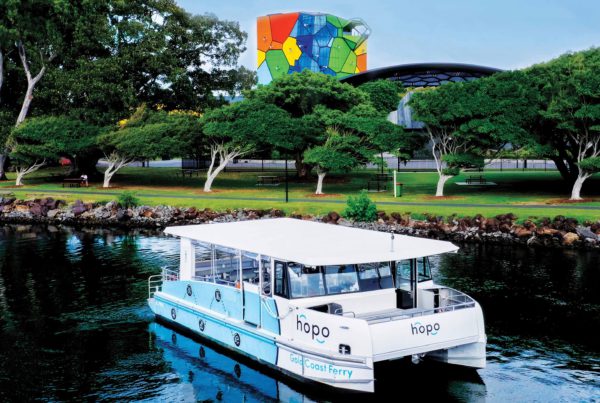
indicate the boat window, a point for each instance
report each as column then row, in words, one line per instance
column 250, row 267
column 385, row 275
column 305, row 281
column 203, row 261
column 375, row 276
column 424, row 269
column 266, row 276
column 404, row 269
column 341, row 279
column 227, row 265
column 280, row 280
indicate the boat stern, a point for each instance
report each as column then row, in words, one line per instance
column 453, row 336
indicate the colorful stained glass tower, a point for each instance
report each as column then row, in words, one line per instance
column 324, row 43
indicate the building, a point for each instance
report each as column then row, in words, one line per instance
column 293, row 42
column 419, row 75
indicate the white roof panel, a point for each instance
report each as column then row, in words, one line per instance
column 312, row 243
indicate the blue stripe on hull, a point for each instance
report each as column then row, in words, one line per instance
column 234, row 337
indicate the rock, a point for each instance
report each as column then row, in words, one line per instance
column 547, row 231
column 52, row 213
column 22, row 208
column 570, row 238
column 78, row 209
column 276, row 213
column 7, row 200
column 586, row 233
column 35, row 210
column 522, row 232
column 491, row 225
column 122, row 215
column 191, row 213
column 112, row 205
column 87, row 214
column 333, row 217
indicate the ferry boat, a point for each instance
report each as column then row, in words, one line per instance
column 320, row 302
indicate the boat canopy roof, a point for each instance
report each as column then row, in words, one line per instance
column 312, row 243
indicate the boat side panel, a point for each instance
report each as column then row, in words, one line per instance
column 225, row 300
column 322, row 331
column 270, row 315
column 228, row 334
column 401, row 337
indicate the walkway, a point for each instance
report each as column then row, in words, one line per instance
column 333, row 201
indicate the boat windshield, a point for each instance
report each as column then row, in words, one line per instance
column 375, row 276
column 314, row 281
column 341, row 279
column 305, row 281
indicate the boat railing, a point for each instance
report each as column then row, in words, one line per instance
column 155, row 282
column 448, row 300
column 453, row 299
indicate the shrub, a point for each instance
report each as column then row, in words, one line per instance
column 360, row 208
column 128, row 200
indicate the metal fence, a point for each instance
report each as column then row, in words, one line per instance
column 251, row 165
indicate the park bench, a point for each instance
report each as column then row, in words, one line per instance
column 267, row 180
column 188, row 172
column 471, row 180
column 74, row 182
column 377, row 186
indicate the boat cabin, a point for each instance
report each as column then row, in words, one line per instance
column 308, row 263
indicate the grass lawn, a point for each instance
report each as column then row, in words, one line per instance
column 162, row 186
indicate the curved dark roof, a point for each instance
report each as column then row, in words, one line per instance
column 423, row 74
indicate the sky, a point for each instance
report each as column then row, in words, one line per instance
column 506, row 34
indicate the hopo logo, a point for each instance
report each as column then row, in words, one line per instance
column 428, row 329
column 318, row 333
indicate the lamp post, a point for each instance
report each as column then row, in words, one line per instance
column 286, row 181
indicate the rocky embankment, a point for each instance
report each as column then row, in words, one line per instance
column 502, row 229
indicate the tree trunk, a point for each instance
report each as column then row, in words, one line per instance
column 576, row 191
column 321, row 176
column 21, row 172
column 212, row 174
column 19, row 180
column 107, row 177
column 302, row 169
column 115, row 162
column 26, row 104
column 563, row 169
column 1, row 73
column 440, row 185
column 3, row 157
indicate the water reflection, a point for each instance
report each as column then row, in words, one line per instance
column 74, row 326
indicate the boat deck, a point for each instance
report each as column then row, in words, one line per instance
column 393, row 314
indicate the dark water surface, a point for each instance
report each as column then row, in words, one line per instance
column 74, row 326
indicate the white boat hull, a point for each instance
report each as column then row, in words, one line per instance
column 303, row 343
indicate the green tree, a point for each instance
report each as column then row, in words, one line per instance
column 112, row 55
column 354, row 138
column 303, row 95
column 383, row 94
column 341, row 151
column 242, row 128
column 569, row 113
column 443, row 111
column 465, row 121
column 44, row 139
column 148, row 134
